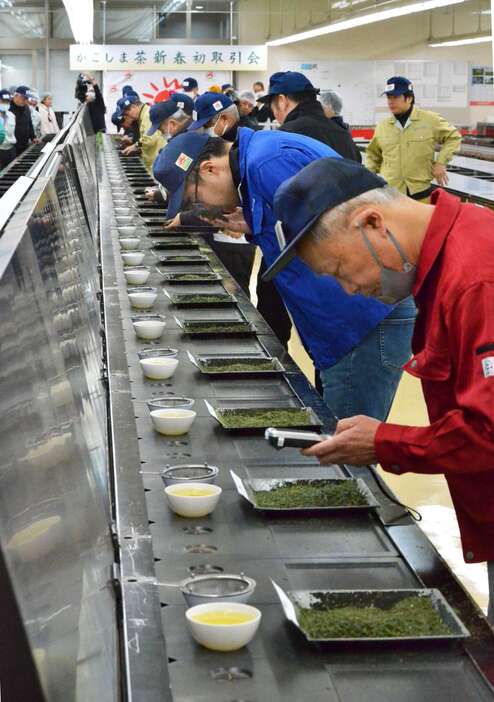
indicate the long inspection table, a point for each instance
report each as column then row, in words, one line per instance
column 470, row 178
column 383, row 550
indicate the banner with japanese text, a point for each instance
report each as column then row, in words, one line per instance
column 149, row 57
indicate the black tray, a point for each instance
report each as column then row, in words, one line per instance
column 379, row 598
column 218, row 409
column 248, row 488
column 203, row 278
column 190, row 248
column 180, row 299
column 184, row 260
column 201, row 362
column 187, row 328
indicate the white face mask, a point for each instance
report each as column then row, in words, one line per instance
column 212, row 132
column 4, row 107
column 90, row 96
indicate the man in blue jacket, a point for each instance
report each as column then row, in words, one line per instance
column 359, row 345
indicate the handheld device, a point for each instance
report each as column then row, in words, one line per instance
column 280, row 438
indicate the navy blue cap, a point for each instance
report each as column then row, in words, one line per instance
column 126, row 102
column 162, row 110
column 5, row 95
column 175, row 163
column 131, row 94
column 226, row 85
column 117, row 118
column 189, row 84
column 397, row 85
column 23, row 90
column 127, row 89
column 287, row 83
column 206, row 107
column 320, row 186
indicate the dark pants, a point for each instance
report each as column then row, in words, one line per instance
column 272, row 308
column 238, row 260
column 7, row 156
column 20, row 148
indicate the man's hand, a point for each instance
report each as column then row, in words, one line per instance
column 353, row 443
column 232, row 223
column 440, row 173
column 173, row 223
column 125, row 140
column 130, row 150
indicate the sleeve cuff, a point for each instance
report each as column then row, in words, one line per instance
column 389, row 448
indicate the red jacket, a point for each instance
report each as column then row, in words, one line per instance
column 453, row 347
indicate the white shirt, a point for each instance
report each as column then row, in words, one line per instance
column 8, row 121
column 36, row 120
column 49, row 124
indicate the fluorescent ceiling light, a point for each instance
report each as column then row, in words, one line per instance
column 462, row 42
column 362, row 20
column 81, row 18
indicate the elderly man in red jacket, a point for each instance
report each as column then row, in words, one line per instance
column 346, row 222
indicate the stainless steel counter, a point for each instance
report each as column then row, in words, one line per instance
column 305, row 552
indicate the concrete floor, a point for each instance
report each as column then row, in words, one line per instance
column 427, row 493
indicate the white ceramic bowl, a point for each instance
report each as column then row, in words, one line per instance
column 123, row 221
column 159, row 368
column 192, row 506
column 149, row 329
column 173, row 422
column 223, row 637
column 136, row 276
column 127, row 231
column 133, row 258
column 123, row 211
column 130, row 243
column 143, row 300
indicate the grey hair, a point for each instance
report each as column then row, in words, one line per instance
column 337, row 218
column 248, row 96
column 333, row 100
column 232, row 110
column 179, row 116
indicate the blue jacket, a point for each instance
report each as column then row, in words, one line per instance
column 330, row 322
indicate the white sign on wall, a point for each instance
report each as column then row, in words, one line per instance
column 148, row 57
column 481, row 85
column 154, row 86
column 437, row 84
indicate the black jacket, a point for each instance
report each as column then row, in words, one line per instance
column 262, row 113
column 97, row 110
column 23, row 126
column 308, row 118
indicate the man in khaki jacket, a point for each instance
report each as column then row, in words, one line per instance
column 402, row 150
column 150, row 146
